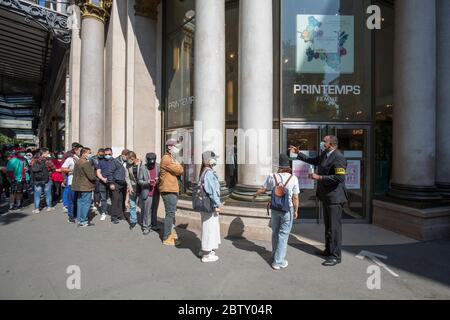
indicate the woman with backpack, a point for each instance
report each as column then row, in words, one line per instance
column 41, row 170
column 284, row 205
column 210, row 220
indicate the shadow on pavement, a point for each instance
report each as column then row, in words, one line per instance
column 303, row 246
column 429, row 260
column 425, row 259
column 189, row 240
column 236, row 236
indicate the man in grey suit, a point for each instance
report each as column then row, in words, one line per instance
column 148, row 179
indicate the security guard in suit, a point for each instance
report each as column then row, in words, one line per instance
column 331, row 191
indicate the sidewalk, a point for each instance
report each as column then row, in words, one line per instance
column 116, row 263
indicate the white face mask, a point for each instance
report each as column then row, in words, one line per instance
column 175, row 150
column 213, row 163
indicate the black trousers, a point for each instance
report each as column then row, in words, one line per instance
column 333, row 228
column 118, row 203
column 57, row 191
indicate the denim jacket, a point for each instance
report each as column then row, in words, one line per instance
column 212, row 187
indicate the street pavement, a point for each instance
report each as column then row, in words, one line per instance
column 116, row 263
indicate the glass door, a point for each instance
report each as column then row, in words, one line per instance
column 307, row 138
column 354, row 143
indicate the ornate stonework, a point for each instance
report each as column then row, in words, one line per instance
column 147, row 8
column 99, row 11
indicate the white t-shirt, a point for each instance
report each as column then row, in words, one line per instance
column 292, row 187
column 69, row 164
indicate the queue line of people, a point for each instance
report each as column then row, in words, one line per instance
column 136, row 186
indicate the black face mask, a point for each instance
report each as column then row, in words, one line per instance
column 151, row 163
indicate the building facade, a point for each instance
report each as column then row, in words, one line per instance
column 293, row 71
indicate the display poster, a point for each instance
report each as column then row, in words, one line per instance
column 301, row 170
column 353, row 175
column 325, row 44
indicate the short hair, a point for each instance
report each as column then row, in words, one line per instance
column 334, row 141
column 84, row 150
column 108, row 150
column 131, row 154
column 101, row 150
column 44, row 150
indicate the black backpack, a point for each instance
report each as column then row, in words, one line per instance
column 40, row 172
column 201, row 202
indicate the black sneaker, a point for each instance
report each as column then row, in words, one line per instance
column 71, row 221
column 132, row 225
column 155, row 228
column 115, row 221
column 146, row 232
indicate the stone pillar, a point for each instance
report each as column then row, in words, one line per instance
column 443, row 98
column 209, row 83
column 414, row 127
column 115, row 77
column 255, row 97
column 145, row 114
column 92, row 93
column 74, row 82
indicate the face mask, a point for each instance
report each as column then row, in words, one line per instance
column 60, row 156
column 89, row 157
column 22, row 155
column 175, row 150
column 213, row 162
column 108, row 157
column 323, row 146
column 101, row 156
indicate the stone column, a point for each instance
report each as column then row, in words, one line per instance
column 209, row 83
column 92, row 93
column 115, row 77
column 255, row 97
column 414, row 127
column 74, row 82
column 443, row 98
column 144, row 113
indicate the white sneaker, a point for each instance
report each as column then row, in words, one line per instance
column 283, row 266
column 50, row 209
column 210, row 258
column 201, row 253
column 35, row 211
column 103, row 217
column 65, row 209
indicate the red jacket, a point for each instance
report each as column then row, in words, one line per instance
column 57, row 176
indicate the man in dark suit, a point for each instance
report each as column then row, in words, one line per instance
column 331, row 191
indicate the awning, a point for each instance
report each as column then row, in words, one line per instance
column 33, row 40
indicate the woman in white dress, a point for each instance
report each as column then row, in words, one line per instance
column 210, row 221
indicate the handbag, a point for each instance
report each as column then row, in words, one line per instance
column 201, row 201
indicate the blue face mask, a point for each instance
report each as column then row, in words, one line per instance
column 108, row 157
column 323, row 146
column 89, row 157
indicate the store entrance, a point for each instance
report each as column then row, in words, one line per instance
column 354, row 143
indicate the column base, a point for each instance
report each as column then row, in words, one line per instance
column 245, row 193
column 444, row 189
column 414, row 193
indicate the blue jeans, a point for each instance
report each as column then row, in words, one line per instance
column 71, row 203
column 281, row 228
column 66, row 195
column 133, row 207
column 47, row 189
column 84, row 200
